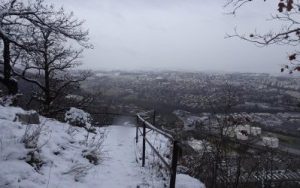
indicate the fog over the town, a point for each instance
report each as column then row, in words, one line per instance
column 175, row 35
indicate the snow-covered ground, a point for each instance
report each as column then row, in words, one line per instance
column 59, row 157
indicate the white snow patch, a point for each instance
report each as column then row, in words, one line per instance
column 185, row 181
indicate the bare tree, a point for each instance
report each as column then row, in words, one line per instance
column 18, row 19
column 52, row 63
column 287, row 17
column 13, row 20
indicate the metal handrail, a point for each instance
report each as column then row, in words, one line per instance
column 150, row 126
column 171, row 167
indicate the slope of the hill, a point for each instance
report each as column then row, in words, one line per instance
column 56, row 155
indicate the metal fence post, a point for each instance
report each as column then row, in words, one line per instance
column 137, row 130
column 174, row 165
column 144, row 144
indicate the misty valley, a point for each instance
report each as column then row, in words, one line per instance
column 248, row 112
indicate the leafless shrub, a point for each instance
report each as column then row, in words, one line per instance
column 79, row 171
column 94, row 147
column 30, row 140
column 34, row 159
column 31, row 136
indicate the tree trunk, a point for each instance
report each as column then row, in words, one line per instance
column 47, row 91
column 238, row 173
column 11, row 85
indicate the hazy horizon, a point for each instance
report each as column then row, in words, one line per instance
column 277, row 74
column 183, row 35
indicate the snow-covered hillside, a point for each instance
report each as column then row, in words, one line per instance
column 57, row 155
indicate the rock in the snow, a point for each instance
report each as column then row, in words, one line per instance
column 30, row 117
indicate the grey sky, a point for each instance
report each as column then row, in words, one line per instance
column 173, row 34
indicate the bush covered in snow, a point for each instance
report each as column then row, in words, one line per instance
column 78, row 117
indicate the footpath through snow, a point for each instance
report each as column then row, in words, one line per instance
column 59, row 157
column 120, row 168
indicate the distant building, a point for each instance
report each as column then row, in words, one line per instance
column 243, row 128
column 241, row 135
column 255, row 131
column 241, row 132
column 271, row 142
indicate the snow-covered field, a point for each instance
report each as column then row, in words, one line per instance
column 66, row 156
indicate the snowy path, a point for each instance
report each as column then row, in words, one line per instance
column 119, row 168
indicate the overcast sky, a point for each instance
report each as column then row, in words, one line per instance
column 174, row 35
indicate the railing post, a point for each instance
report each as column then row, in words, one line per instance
column 137, row 130
column 153, row 121
column 174, row 165
column 144, row 144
